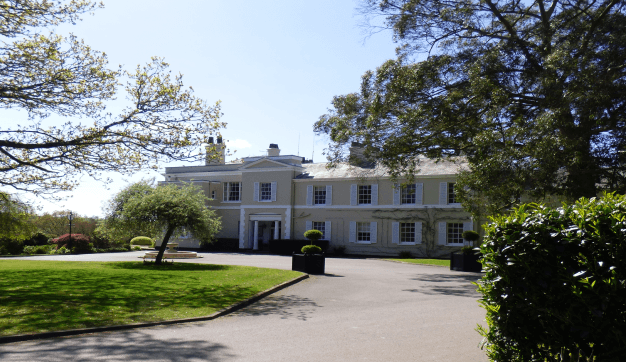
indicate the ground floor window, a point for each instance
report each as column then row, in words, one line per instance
column 321, row 226
column 407, row 232
column 454, row 233
column 363, row 231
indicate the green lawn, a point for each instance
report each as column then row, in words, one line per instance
column 39, row 296
column 441, row 262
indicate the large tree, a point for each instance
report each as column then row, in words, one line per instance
column 532, row 94
column 14, row 218
column 48, row 74
column 170, row 209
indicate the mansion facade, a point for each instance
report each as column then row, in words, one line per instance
column 358, row 208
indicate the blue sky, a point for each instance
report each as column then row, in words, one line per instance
column 275, row 65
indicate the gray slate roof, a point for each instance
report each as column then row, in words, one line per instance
column 427, row 167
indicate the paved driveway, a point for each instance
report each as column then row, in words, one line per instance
column 362, row 310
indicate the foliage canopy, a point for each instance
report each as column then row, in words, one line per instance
column 531, row 93
column 50, row 74
column 170, row 209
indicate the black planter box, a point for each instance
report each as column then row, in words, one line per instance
column 310, row 264
column 465, row 262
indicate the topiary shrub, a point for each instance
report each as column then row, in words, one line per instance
column 555, row 282
column 313, row 235
column 471, row 236
column 311, row 249
column 142, row 240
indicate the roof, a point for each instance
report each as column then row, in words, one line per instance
column 426, row 167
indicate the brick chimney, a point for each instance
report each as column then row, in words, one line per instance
column 215, row 152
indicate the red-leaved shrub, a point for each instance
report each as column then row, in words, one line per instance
column 80, row 242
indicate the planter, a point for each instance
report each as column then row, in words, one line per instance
column 465, row 262
column 310, row 264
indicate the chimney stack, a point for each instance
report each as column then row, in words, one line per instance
column 215, row 153
column 273, row 150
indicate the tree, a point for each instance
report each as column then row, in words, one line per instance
column 49, row 74
column 14, row 218
column 170, row 209
column 531, row 94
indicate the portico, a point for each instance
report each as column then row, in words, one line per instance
column 263, row 228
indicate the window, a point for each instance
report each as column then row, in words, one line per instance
column 365, row 195
column 451, row 193
column 321, row 226
column 266, row 191
column 232, row 191
column 407, row 232
column 213, row 194
column 454, row 233
column 363, row 231
column 408, row 194
column 319, row 195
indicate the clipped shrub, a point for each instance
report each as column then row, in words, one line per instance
column 311, row 249
column 471, row 236
column 555, row 282
column 62, row 250
column 136, row 248
column 11, row 247
column 405, row 255
column 142, row 240
column 313, row 235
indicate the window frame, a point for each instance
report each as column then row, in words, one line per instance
column 228, row 191
column 323, row 228
column 364, row 192
column 319, row 190
column 265, row 192
column 451, row 193
column 363, row 228
column 405, row 194
column 454, row 231
column 407, row 225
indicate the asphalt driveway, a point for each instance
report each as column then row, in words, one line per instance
column 362, row 310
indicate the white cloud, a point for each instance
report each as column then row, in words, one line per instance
column 238, row 144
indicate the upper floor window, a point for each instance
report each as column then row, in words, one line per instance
column 266, row 191
column 319, row 195
column 454, row 234
column 232, row 191
column 451, row 193
column 365, row 194
column 408, row 193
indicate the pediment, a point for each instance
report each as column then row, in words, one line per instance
column 264, row 163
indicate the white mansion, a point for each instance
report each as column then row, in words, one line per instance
column 281, row 196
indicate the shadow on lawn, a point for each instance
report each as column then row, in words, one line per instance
column 448, row 284
column 119, row 346
column 119, row 298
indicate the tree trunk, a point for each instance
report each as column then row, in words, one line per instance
column 166, row 238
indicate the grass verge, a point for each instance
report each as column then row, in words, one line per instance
column 440, row 262
column 42, row 296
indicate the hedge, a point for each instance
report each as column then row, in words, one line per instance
column 288, row 247
column 555, row 282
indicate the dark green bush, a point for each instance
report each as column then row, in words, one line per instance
column 405, row 255
column 313, row 235
column 470, row 235
column 11, row 247
column 555, row 282
column 37, row 238
column 311, row 249
column 221, row 244
column 141, row 240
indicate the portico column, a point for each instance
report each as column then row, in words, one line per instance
column 256, row 236
column 275, row 230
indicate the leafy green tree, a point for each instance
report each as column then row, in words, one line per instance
column 14, row 218
column 532, row 94
column 50, row 74
column 169, row 209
